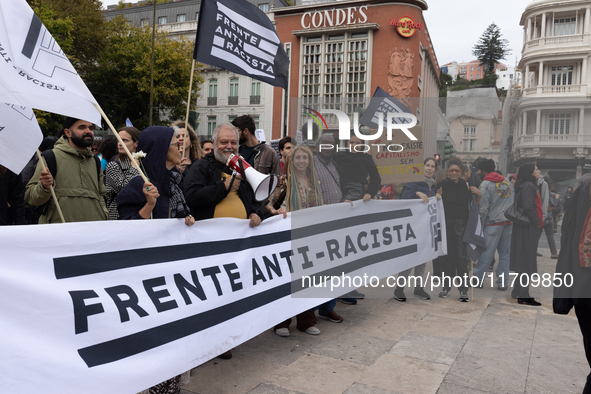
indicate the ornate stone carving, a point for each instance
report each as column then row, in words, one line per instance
column 400, row 73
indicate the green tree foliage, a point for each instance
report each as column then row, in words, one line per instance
column 489, row 50
column 446, row 81
column 121, row 80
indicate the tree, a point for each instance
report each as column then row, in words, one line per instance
column 120, row 81
column 446, row 81
column 489, row 50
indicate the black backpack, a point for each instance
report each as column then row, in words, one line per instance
column 49, row 156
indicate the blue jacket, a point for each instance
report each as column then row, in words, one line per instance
column 154, row 142
column 409, row 191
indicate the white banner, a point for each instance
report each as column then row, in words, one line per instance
column 117, row 307
column 34, row 71
column 20, row 136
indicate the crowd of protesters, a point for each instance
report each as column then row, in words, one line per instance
column 189, row 179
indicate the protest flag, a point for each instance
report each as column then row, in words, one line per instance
column 128, row 123
column 237, row 36
column 35, row 72
column 382, row 102
column 20, row 136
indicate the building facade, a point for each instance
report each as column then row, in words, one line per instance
column 224, row 95
column 506, row 77
column 553, row 118
column 475, row 123
column 469, row 71
column 340, row 52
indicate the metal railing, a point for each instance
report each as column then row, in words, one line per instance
column 232, row 100
column 255, row 99
column 212, row 101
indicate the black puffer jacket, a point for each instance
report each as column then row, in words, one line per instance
column 204, row 188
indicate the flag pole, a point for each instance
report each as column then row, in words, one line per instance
column 127, row 152
column 152, row 63
column 186, row 136
column 57, row 204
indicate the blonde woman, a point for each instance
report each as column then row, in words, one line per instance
column 191, row 150
column 300, row 191
column 303, row 190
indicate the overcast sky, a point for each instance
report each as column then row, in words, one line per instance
column 456, row 25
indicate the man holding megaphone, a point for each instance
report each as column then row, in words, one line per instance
column 213, row 190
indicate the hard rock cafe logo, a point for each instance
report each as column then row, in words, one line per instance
column 406, row 26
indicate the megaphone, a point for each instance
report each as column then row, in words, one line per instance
column 262, row 184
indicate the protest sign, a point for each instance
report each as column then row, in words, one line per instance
column 119, row 306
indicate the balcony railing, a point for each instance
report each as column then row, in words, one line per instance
column 558, row 137
column 212, row 101
column 557, row 89
column 557, row 40
column 179, row 27
column 255, row 99
column 554, row 89
column 549, row 140
column 232, row 100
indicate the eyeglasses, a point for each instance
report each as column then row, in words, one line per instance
column 175, row 144
column 454, row 171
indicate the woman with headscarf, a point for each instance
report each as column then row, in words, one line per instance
column 524, row 238
column 416, row 190
column 574, row 266
column 162, row 196
column 159, row 198
column 120, row 171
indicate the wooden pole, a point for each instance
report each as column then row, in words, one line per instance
column 127, row 152
column 186, row 137
column 57, row 204
column 152, row 63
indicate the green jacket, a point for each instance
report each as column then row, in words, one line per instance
column 79, row 192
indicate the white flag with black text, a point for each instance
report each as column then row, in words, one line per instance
column 20, row 136
column 237, row 36
column 34, row 71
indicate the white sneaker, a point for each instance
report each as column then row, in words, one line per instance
column 282, row 332
column 313, row 330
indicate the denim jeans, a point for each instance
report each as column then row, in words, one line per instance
column 325, row 308
column 497, row 238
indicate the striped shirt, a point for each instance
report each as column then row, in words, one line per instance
column 330, row 182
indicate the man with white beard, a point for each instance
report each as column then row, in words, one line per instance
column 211, row 191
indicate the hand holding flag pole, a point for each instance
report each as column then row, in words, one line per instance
column 57, row 205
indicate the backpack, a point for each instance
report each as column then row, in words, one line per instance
column 49, row 156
